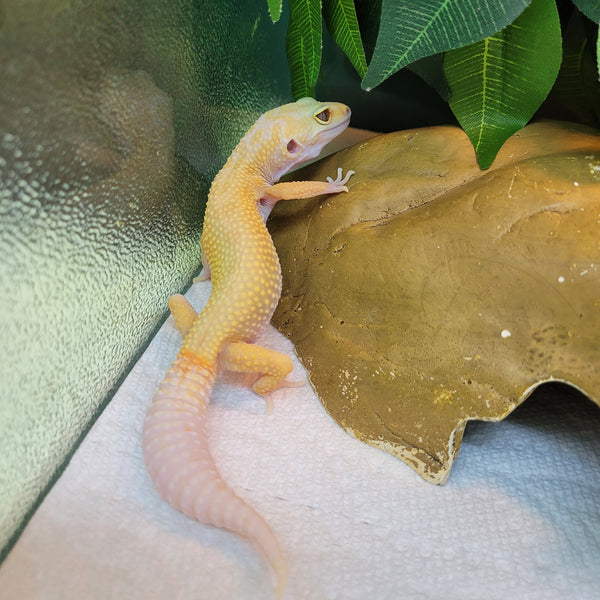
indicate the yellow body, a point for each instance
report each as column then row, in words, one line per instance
column 237, row 249
column 239, row 255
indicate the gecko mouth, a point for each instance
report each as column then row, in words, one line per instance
column 334, row 131
column 344, row 123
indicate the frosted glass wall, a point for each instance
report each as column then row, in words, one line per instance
column 114, row 117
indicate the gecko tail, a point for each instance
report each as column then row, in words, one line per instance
column 182, row 468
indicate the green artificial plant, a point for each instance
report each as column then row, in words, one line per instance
column 497, row 61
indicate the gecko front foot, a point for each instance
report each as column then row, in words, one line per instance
column 340, row 182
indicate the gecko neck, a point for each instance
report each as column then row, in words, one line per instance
column 237, row 184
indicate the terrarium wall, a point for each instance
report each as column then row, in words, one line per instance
column 114, row 116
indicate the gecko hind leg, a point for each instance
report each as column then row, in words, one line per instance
column 271, row 366
column 184, row 314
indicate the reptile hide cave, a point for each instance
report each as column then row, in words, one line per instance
column 434, row 293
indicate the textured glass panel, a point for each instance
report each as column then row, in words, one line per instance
column 114, row 116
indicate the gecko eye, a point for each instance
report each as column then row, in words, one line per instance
column 293, row 146
column 324, row 116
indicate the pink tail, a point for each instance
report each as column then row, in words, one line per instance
column 182, row 468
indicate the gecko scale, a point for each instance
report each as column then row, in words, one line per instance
column 239, row 255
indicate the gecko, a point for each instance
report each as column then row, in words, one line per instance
column 239, row 256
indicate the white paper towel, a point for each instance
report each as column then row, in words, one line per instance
column 519, row 517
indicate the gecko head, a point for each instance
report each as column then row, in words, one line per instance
column 298, row 131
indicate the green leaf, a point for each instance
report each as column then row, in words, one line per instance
column 576, row 92
column 368, row 13
column 497, row 84
column 341, row 21
column 431, row 70
column 590, row 8
column 275, row 8
column 412, row 29
column 304, row 46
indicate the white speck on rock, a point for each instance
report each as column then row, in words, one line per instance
column 505, row 333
